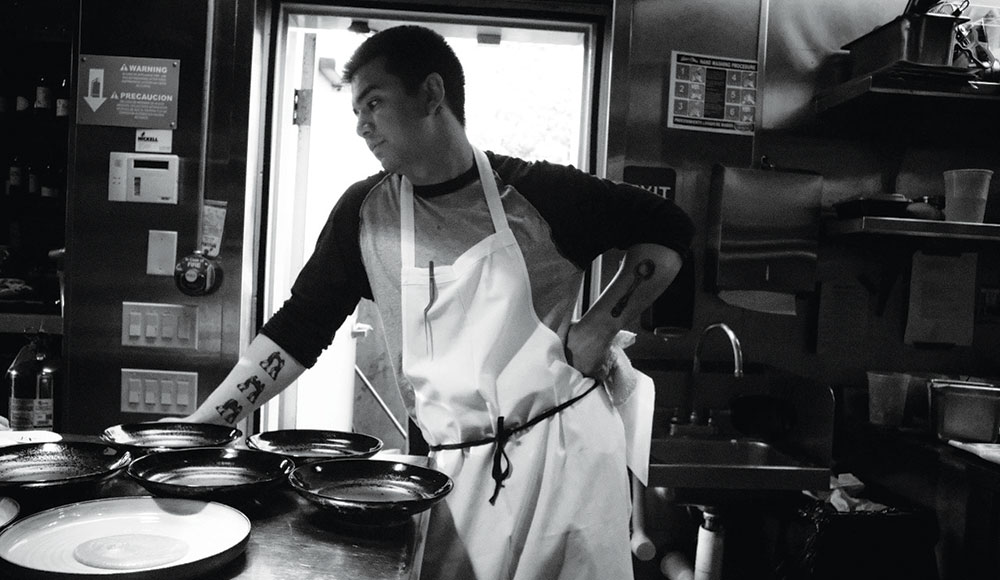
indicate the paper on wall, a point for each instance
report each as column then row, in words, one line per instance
column 942, row 299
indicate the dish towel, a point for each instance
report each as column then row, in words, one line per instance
column 633, row 395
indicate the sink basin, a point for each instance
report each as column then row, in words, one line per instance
column 719, row 470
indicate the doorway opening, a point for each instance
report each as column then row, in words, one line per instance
column 530, row 88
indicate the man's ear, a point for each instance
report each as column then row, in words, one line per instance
column 433, row 88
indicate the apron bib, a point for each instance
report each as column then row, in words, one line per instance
column 475, row 351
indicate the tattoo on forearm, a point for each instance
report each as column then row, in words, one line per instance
column 273, row 365
column 229, row 411
column 252, row 388
column 643, row 271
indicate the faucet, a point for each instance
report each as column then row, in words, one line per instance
column 693, row 419
column 735, row 342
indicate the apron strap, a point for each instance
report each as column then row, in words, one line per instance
column 500, row 471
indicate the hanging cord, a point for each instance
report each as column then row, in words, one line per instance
column 501, row 463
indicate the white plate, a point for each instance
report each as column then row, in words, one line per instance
column 19, row 437
column 9, row 509
column 125, row 537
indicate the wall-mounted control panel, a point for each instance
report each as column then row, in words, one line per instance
column 143, row 177
column 159, row 325
column 160, row 392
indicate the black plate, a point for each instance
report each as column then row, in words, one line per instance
column 370, row 491
column 51, row 465
column 210, row 472
column 159, row 436
column 311, row 444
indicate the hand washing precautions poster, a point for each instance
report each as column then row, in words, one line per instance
column 712, row 93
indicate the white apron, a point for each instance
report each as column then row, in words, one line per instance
column 475, row 352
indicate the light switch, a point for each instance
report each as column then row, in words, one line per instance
column 168, row 328
column 166, row 392
column 183, row 399
column 134, row 391
column 135, row 324
column 152, row 325
column 151, row 385
column 161, row 253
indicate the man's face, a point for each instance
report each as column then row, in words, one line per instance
column 389, row 118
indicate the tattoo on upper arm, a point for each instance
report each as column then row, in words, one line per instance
column 273, row 365
column 229, row 411
column 252, row 388
column 643, row 271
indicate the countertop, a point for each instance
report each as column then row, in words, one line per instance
column 960, row 488
column 291, row 539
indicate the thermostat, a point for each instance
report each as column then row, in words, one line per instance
column 143, row 177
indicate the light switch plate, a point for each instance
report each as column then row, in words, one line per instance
column 161, row 253
column 159, row 392
column 159, row 325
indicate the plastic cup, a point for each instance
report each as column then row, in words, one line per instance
column 965, row 193
column 887, row 397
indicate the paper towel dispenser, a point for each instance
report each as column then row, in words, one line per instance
column 763, row 230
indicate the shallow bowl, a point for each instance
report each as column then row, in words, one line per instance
column 220, row 473
column 370, row 492
column 159, row 436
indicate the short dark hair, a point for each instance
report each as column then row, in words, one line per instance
column 411, row 53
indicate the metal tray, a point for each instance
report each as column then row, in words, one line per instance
column 966, row 411
column 925, row 39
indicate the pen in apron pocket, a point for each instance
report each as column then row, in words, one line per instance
column 431, row 298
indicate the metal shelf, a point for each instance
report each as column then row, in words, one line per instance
column 885, row 86
column 916, row 228
column 895, row 106
column 18, row 323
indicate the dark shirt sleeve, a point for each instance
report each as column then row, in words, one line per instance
column 329, row 286
column 589, row 215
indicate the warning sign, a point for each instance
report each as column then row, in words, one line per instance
column 128, row 91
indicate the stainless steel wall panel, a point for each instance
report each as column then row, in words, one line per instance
column 106, row 241
column 803, row 52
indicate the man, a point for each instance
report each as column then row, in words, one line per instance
column 474, row 262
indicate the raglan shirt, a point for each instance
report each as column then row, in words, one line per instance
column 562, row 219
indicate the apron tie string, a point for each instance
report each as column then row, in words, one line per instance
column 503, row 435
column 499, row 455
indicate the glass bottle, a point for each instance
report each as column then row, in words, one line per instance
column 34, row 178
column 16, row 176
column 62, row 104
column 21, row 383
column 31, row 382
column 43, row 102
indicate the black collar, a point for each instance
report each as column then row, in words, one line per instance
column 449, row 186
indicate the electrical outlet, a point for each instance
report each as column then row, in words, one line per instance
column 159, row 325
column 159, row 392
